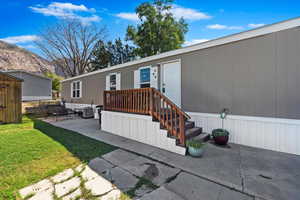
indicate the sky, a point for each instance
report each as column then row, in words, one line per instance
column 23, row 20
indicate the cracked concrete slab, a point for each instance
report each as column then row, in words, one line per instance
column 44, row 186
column 73, row 195
column 89, row 174
column 99, row 186
column 119, row 157
column 218, row 164
column 80, row 168
column 63, row 176
column 112, row 195
column 156, row 172
column 63, row 188
column 100, row 165
column 271, row 174
column 161, row 193
column 278, row 189
column 228, row 166
column 192, row 187
column 143, row 190
column 121, row 178
column 46, row 195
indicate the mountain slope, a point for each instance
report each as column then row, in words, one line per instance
column 13, row 57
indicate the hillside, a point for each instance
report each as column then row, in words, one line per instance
column 13, row 57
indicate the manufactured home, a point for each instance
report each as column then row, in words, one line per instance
column 35, row 87
column 255, row 74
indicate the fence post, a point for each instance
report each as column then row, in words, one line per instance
column 104, row 100
column 181, row 128
column 151, row 101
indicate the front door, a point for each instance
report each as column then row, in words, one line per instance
column 171, row 81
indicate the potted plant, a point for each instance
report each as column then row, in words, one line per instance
column 195, row 148
column 220, row 135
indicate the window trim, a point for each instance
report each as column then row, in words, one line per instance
column 149, row 82
column 80, row 89
column 110, row 85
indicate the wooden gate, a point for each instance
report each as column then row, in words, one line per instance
column 10, row 99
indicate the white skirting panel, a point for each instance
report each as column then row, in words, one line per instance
column 268, row 133
column 140, row 128
column 36, row 98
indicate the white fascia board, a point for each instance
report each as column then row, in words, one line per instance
column 292, row 23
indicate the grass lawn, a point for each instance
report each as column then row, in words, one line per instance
column 34, row 150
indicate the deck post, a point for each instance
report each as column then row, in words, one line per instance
column 104, row 100
column 181, row 128
column 151, row 102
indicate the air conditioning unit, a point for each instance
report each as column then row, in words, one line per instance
column 87, row 112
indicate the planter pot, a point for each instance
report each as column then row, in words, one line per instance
column 220, row 136
column 196, row 152
column 221, row 140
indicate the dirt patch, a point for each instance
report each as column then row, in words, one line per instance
column 151, row 172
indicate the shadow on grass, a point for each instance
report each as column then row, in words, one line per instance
column 83, row 147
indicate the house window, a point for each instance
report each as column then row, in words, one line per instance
column 145, row 77
column 113, row 82
column 76, row 89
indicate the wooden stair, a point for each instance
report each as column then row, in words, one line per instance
column 150, row 101
column 190, row 130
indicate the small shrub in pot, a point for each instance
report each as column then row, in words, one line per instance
column 195, row 148
column 220, row 136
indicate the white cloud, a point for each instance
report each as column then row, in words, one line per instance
column 128, row 16
column 70, row 6
column 194, row 41
column 20, row 39
column 224, row 27
column 188, row 13
column 255, row 25
column 177, row 11
column 67, row 11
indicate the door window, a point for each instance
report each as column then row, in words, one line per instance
column 145, row 77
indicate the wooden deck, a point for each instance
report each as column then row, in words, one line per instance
column 149, row 101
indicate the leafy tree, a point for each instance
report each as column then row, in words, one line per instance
column 55, row 80
column 111, row 53
column 158, row 31
column 69, row 44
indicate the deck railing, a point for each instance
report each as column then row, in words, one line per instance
column 149, row 101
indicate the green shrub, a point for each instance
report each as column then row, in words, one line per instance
column 195, row 144
column 220, row 132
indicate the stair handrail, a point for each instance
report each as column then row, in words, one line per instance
column 173, row 104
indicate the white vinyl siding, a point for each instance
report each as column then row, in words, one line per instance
column 76, row 89
column 137, row 79
column 118, row 81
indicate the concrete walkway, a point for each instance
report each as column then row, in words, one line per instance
column 254, row 172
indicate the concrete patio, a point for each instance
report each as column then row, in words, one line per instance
column 237, row 172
